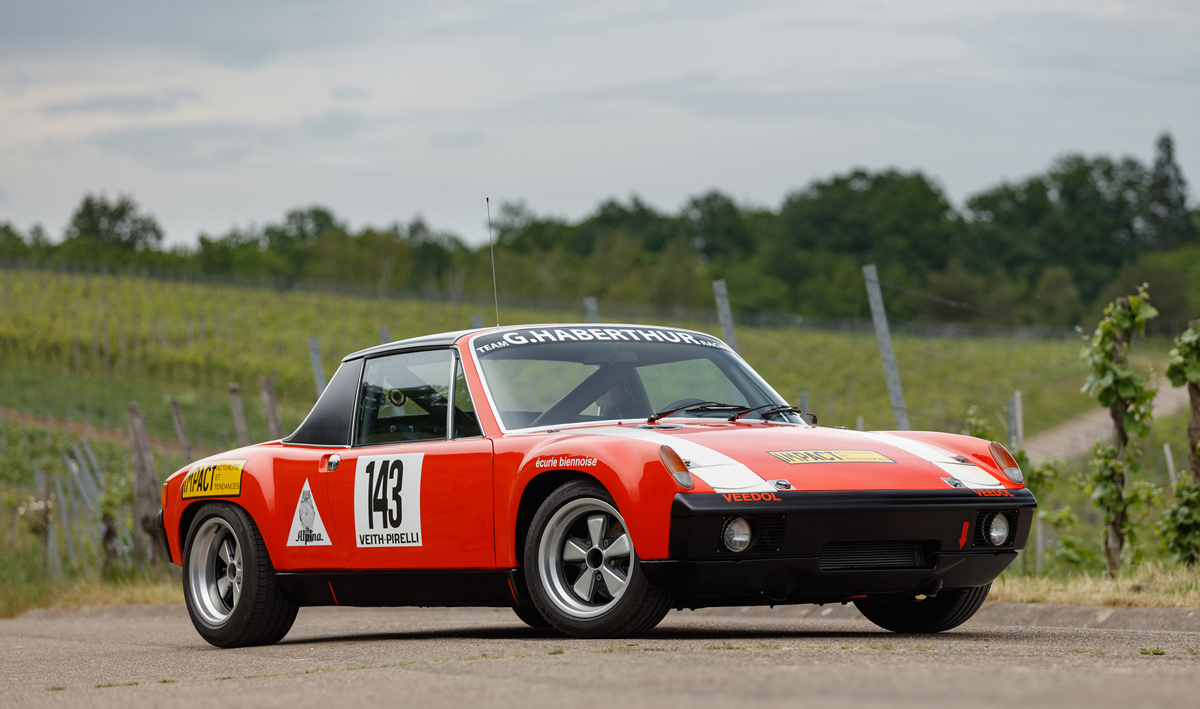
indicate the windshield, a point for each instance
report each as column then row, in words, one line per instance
column 552, row 376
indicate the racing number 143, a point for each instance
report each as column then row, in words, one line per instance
column 383, row 494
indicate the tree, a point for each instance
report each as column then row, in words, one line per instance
column 1180, row 526
column 114, row 224
column 1168, row 220
column 1129, row 401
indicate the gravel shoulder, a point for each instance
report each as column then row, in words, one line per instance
column 486, row 657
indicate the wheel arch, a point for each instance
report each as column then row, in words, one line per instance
column 535, row 493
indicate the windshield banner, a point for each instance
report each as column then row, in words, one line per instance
column 526, row 336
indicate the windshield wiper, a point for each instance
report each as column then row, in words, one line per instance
column 698, row 406
column 770, row 409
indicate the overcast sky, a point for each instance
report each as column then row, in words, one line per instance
column 220, row 113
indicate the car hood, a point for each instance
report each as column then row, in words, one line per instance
column 744, row 457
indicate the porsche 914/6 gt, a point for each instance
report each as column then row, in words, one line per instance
column 591, row 478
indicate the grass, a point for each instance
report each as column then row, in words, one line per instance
column 216, row 334
column 1154, row 585
column 1152, row 651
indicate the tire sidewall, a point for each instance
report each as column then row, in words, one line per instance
column 614, row 618
column 229, row 632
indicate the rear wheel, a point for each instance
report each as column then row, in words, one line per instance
column 949, row 609
column 582, row 570
column 229, row 585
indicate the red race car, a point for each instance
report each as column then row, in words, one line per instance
column 590, row 478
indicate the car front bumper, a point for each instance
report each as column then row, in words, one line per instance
column 833, row 546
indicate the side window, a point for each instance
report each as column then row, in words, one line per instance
column 466, row 422
column 404, row 398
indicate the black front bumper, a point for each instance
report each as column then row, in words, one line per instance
column 830, row 546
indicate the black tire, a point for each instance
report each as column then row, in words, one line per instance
column 640, row 605
column 529, row 616
column 949, row 609
column 261, row 615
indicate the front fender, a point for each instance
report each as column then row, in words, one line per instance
column 631, row 471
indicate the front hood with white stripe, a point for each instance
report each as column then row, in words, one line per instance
column 743, row 457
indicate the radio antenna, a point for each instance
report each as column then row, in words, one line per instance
column 492, row 248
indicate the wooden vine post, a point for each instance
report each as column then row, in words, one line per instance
column 1130, row 403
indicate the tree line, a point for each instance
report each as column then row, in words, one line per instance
column 1043, row 250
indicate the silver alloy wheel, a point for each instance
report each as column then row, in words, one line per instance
column 215, row 571
column 585, row 558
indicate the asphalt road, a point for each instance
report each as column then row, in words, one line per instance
column 336, row 657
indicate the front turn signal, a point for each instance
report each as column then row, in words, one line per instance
column 164, row 496
column 676, row 467
column 1007, row 463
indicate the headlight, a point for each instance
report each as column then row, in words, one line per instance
column 1007, row 463
column 996, row 529
column 737, row 534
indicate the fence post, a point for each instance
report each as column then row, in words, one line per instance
column 724, row 313
column 50, row 540
column 1012, row 423
column 860, row 424
column 185, row 443
column 804, row 400
column 1020, row 419
column 318, row 367
column 476, row 321
column 1170, row 462
column 65, row 514
column 239, row 415
column 145, row 487
column 274, row 423
column 385, row 335
column 884, row 336
column 591, row 309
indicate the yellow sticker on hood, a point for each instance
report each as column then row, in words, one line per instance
column 217, row 478
column 803, row 457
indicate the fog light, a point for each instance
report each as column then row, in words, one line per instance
column 736, row 534
column 996, row 529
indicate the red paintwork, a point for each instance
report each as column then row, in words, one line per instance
column 469, row 508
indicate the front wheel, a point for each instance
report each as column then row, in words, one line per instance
column 229, row 585
column 582, row 570
column 949, row 609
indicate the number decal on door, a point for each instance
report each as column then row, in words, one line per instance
column 387, row 500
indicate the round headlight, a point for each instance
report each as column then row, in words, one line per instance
column 997, row 529
column 736, row 535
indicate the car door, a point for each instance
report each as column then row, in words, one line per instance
column 415, row 489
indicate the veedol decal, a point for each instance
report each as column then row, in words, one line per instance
column 533, row 336
column 751, row 497
column 307, row 528
column 805, row 457
column 387, row 500
column 218, row 478
column 994, row 493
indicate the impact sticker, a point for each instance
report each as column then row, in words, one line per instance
column 307, row 528
column 805, row 457
column 954, row 482
column 387, row 500
column 218, row 478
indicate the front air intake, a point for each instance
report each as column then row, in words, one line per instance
column 862, row 556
